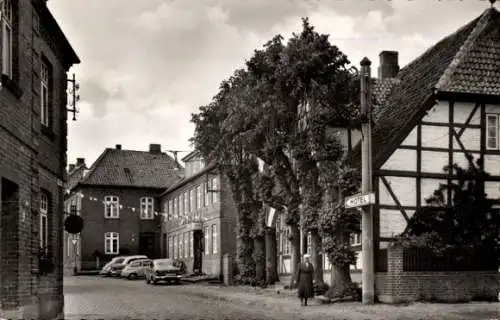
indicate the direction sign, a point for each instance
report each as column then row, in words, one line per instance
column 359, row 200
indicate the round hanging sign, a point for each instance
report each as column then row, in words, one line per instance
column 73, row 224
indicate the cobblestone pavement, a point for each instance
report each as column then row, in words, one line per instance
column 92, row 297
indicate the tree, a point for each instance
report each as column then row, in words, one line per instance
column 470, row 224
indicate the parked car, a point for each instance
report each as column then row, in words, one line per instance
column 117, row 267
column 163, row 270
column 135, row 269
column 106, row 270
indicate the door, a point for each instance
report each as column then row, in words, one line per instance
column 197, row 250
column 147, row 245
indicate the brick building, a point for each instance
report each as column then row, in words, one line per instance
column 117, row 199
column 200, row 217
column 73, row 205
column 33, row 142
column 441, row 109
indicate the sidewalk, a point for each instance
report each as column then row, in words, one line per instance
column 287, row 301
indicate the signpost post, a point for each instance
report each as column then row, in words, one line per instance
column 368, row 265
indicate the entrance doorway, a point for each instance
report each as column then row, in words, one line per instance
column 147, row 245
column 197, row 250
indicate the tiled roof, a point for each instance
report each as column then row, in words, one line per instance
column 446, row 62
column 75, row 176
column 476, row 68
column 129, row 168
column 381, row 89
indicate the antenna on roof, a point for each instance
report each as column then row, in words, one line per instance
column 175, row 152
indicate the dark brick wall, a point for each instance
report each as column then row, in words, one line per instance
column 396, row 286
column 129, row 225
column 32, row 159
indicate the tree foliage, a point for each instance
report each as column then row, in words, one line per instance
column 469, row 223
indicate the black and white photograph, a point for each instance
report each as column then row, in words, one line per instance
column 249, row 159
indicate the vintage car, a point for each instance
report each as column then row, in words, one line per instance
column 135, row 269
column 163, row 270
column 117, row 267
column 106, row 270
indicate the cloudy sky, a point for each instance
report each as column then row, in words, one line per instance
column 148, row 64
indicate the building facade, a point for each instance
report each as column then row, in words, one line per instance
column 118, row 201
column 443, row 109
column 199, row 224
column 33, row 142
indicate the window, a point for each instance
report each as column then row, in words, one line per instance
column 206, row 240
column 214, row 239
column 492, row 131
column 170, row 209
column 205, row 191
column 175, row 207
column 44, row 94
column 170, row 253
column 185, row 244
column 186, row 203
column 7, row 38
column 69, row 244
column 147, row 208
column 214, row 190
column 191, row 242
column 309, row 239
column 111, row 210
column 111, row 243
column 191, row 200
column 44, row 221
column 181, row 245
column 198, row 197
column 355, row 239
column 286, row 241
column 174, row 255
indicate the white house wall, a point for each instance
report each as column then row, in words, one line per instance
column 411, row 139
column 404, row 189
column 435, row 137
column 428, row 186
column 402, row 159
column 434, row 162
column 438, row 113
column 462, row 111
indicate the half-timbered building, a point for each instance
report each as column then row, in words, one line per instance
column 441, row 109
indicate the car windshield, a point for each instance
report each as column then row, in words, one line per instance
column 164, row 264
column 119, row 260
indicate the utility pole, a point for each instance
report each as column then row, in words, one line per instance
column 368, row 277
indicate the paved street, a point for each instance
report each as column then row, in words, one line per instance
column 92, row 297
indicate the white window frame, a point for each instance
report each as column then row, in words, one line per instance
column 186, row 203
column 191, row 244
column 207, row 251
column 181, row 245
column 170, row 209
column 198, row 197
column 185, row 244
column 214, row 239
column 214, row 190
column 205, row 194
column 355, row 239
column 111, row 207
column 174, row 253
column 192, row 205
column 44, row 94
column 6, row 16
column 496, row 127
column 69, row 244
column 170, row 253
column 44, row 221
column 147, row 208
column 109, row 238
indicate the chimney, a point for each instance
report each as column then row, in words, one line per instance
column 389, row 66
column 80, row 162
column 155, row 148
column 118, row 147
column 71, row 167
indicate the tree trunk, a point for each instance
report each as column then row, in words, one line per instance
column 271, row 256
column 295, row 244
column 259, row 256
column 341, row 283
column 316, row 257
column 246, row 265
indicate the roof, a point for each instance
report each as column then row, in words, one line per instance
column 75, row 176
column 55, row 30
column 461, row 61
column 130, row 168
column 185, row 180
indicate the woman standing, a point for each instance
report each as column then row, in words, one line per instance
column 305, row 272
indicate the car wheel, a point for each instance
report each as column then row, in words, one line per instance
column 147, row 280
column 132, row 276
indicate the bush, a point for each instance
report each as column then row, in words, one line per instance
column 320, row 288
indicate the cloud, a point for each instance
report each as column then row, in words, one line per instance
column 147, row 65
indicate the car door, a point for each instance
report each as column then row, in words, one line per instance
column 142, row 269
